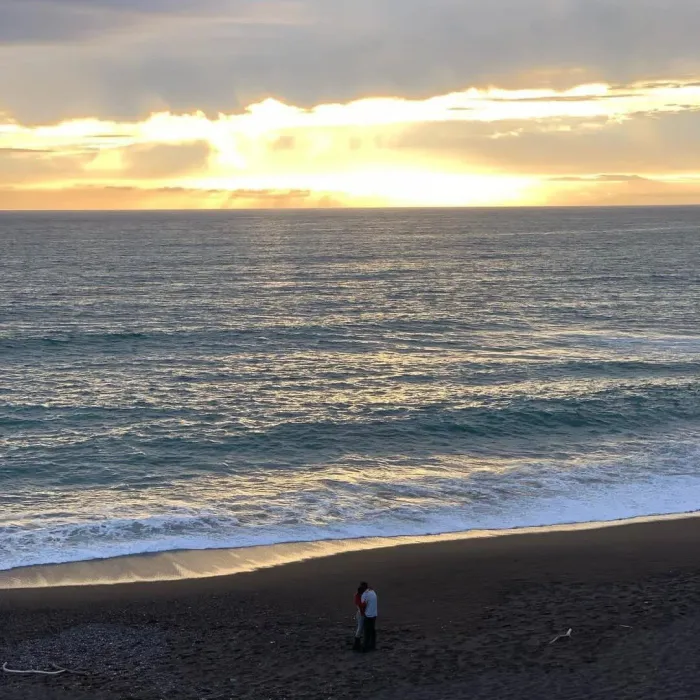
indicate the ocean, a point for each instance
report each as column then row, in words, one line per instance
column 226, row 379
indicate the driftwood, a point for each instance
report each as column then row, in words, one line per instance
column 57, row 672
column 68, row 670
column 562, row 636
column 31, row 670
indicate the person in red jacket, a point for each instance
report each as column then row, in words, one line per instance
column 359, row 618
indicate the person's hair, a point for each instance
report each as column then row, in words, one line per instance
column 364, row 586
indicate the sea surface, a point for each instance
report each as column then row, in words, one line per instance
column 226, row 379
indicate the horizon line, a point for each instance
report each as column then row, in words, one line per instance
column 352, row 208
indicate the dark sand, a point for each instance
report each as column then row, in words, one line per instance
column 468, row 619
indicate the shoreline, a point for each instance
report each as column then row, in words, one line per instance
column 471, row 618
column 194, row 564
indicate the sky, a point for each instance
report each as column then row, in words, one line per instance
column 127, row 104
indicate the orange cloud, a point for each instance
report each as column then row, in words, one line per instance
column 474, row 147
column 133, row 198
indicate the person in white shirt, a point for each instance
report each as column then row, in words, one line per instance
column 369, row 610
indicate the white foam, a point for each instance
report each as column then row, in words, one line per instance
column 108, row 539
column 355, row 501
column 191, row 564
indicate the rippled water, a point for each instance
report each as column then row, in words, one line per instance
column 193, row 380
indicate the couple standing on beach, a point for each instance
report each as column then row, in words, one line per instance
column 366, row 618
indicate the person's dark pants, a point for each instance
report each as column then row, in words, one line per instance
column 370, row 634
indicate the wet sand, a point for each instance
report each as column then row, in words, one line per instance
column 463, row 619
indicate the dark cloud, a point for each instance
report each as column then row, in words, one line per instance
column 120, row 59
column 65, row 21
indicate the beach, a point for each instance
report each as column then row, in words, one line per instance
column 462, row 619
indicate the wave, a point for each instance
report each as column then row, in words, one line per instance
column 272, row 508
column 624, row 342
column 312, row 334
column 611, row 412
column 114, row 538
column 507, row 424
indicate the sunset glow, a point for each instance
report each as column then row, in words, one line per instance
column 557, row 135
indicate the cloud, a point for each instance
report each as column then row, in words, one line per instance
column 626, row 192
column 23, row 151
column 75, row 162
column 123, row 59
column 57, row 22
column 641, row 144
column 164, row 160
column 126, row 198
column 472, row 147
column 607, row 177
column 27, row 167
